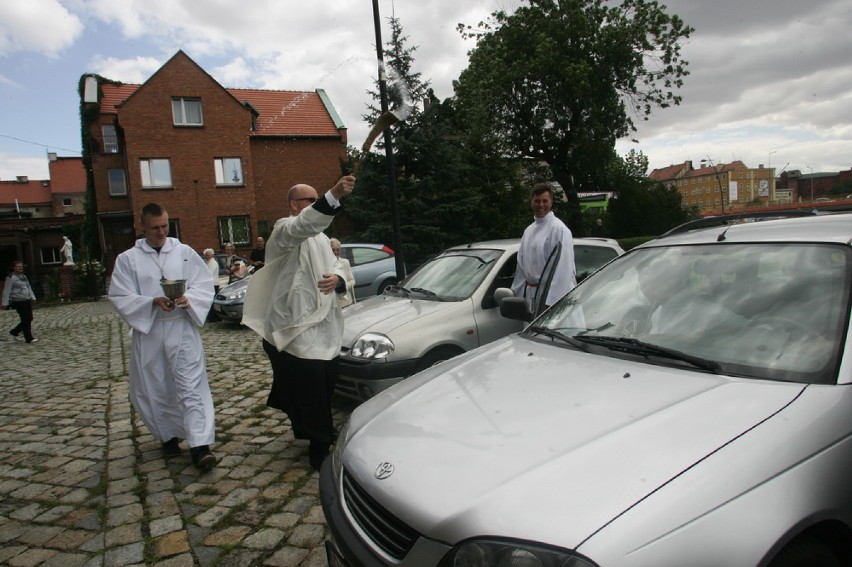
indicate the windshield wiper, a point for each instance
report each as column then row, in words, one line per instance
column 630, row 345
column 402, row 290
column 427, row 292
column 559, row 336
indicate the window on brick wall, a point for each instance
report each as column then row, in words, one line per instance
column 234, row 230
column 110, row 139
column 117, row 182
column 50, row 255
column 229, row 171
column 156, row 173
column 187, row 111
column 174, row 228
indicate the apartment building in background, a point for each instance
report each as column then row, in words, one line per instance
column 220, row 160
column 722, row 187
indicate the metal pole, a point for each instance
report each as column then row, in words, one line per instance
column 391, row 168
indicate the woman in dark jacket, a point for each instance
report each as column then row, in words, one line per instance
column 18, row 295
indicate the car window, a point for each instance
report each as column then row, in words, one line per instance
column 773, row 310
column 453, row 275
column 358, row 255
column 587, row 258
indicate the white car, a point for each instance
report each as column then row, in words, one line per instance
column 444, row 308
column 688, row 405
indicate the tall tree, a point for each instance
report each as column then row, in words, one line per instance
column 642, row 207
column 559, row 80
column 447, row 192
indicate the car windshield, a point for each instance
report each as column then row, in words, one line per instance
column 773, row 311
column 451, row 276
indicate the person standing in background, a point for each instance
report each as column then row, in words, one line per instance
column 213, row 266
column 538, row 241
column 168, row 372
column 258, row 255
column 18, row 295
column 347, row 298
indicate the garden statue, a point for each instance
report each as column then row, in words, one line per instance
column 68, row 250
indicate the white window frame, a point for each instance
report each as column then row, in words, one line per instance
column 228, row 234
column 187, row 111
column 114, row 189
column 225, row 170
column 156, row 173
column 50, row 255
column 110, row 138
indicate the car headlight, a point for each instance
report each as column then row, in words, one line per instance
column 236, row 295
column 372, row 346
column 495, row 553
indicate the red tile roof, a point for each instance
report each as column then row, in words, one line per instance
column 31, row 192
column 67, row 175
column 281, row 113
column 668, row 173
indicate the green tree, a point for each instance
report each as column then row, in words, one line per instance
column 448, row 193
column 642, row 207
column 556, row 82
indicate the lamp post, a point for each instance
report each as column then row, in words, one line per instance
column 769, row 159
column 812, row 182
column 391, row 168
column 719, row 181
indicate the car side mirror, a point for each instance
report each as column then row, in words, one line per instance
column 515, row 308
column 502, row 293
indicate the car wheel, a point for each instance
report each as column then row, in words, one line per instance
column 385, row 284
column 806, row 551
column 432, row 358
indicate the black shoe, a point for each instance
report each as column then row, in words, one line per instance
column 317, row 453
column 171, row 448
column 202, row 458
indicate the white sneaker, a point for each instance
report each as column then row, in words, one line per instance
column 34, row 341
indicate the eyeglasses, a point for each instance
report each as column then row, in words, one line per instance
column 308, row 199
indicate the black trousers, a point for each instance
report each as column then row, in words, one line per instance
column 25, row 312
column 302, row 388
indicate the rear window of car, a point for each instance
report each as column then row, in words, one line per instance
column 587, row 259
column 358, row 255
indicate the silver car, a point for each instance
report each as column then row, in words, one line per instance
column 373, row 266
column 444, row 308
column 690, row 404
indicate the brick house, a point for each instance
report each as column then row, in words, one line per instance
column 220, row 160
column 34, row 216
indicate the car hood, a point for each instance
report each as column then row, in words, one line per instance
column 384, row 313
column 576, row 438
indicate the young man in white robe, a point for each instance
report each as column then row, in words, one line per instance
column 538, row 241
column 292, row 304
column 168, row 373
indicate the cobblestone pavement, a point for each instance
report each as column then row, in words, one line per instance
column 82, row 481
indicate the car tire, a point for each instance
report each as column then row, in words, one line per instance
column 433, row 357
column 385, row 284
column 806, row 551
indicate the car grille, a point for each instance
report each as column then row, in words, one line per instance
column 389, row 533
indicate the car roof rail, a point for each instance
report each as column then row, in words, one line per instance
column 724, row 220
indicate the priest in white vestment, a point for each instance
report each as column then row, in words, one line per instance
column 168, row 372
column 538, row 241
column 292, row 304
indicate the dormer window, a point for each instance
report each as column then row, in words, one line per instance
column 187, row 111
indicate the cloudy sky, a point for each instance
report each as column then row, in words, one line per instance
column 770, row 83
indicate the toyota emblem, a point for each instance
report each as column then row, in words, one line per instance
column 383, row 471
